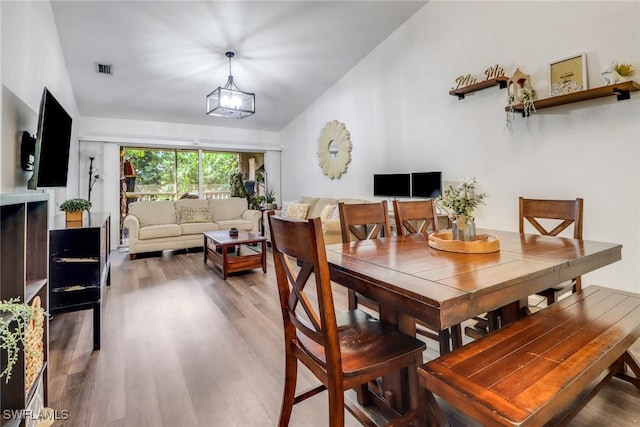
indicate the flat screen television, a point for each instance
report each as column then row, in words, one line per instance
column 51, row 157
column 426, row 184
column 392, row 185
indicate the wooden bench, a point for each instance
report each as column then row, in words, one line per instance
column 542, row 369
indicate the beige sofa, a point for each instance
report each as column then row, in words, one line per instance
column 159, row 225
column 319, row 207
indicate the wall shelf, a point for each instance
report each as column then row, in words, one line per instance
column 23, row 255
column 622, row 91
column 498, row 81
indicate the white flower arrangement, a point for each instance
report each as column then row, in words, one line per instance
column 462, row 200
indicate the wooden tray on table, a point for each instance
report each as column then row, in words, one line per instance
column 484, row 243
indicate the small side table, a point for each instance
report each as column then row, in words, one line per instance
column 262, row 211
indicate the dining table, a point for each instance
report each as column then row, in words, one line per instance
column 411, row 280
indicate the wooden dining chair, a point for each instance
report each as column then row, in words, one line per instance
column 415, row 216
column 363, row 221
column 420, row 216
column 343, row 350
column 550, row 218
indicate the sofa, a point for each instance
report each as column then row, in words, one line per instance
column 159, row 225
column 318, row 207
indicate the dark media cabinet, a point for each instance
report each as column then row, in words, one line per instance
column 79, row 265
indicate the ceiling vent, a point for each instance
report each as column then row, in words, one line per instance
column 104, row 69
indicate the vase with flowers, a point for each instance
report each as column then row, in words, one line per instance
column 460, row 202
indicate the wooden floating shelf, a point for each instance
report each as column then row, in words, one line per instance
column 498, row 81
column 620, row 90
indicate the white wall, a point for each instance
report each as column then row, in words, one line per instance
column 32, row 60
column 396, row 105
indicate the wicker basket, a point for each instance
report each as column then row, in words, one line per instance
column 34, row 346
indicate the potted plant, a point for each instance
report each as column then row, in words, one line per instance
column 460, row 202
column 73, row 208
column 269, row 198
column 14, row 319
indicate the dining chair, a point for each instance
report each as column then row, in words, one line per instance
column 343, row 350
column 418, row 216
column 363, row 221
column 415, row 216
column 550, row 218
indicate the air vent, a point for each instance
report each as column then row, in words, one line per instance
column 104, row 69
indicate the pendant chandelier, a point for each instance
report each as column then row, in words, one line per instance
column 229, row 101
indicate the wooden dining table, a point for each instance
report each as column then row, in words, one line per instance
column 410, row 280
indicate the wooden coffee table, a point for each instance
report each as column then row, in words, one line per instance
column 216, row 244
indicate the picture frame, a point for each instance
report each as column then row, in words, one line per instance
column 568, row 75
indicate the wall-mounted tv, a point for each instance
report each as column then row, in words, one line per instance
column 51, row 157
column 426, row 184
column 392, row 185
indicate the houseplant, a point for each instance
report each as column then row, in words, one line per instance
column 269, row 198
column 460, row 202
column 73, row 208
column 14, row 319
column 238, row 189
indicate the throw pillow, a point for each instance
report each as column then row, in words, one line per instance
column 189, row 215
column 297, row 210
column 327, row 212
column 285, row 207
column 335, row 214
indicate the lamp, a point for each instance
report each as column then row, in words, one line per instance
column 92, row 178
column 229, row 101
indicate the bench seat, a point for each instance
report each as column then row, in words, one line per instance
column 543, row 368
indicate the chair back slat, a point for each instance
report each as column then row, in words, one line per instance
column 568, row 212
column 420, row 212
column 299, row 255
column 364, row 221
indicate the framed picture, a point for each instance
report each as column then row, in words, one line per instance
column 568, row 75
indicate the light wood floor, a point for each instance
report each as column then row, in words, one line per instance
column 182, row 347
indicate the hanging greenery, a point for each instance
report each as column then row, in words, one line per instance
column 14, row 318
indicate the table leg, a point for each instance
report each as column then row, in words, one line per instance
column 264, row 257
column 396, row 385
column 96, row 325
column 225, row 261
column 205, row 249
column 512, row 312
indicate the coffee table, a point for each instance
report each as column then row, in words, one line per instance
column 217, row 243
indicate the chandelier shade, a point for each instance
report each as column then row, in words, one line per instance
column 229, row 101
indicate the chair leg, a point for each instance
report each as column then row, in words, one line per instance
column 418, row 393
column 289, row 393
column 456, row 336
column 353, row 303
column 336, row 405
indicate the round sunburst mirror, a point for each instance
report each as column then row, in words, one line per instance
column 334, row 149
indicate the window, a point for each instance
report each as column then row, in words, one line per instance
column 170, row 173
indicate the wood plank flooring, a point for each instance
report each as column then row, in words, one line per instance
column 182, row 347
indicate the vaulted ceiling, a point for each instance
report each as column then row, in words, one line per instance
column 166, row 56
